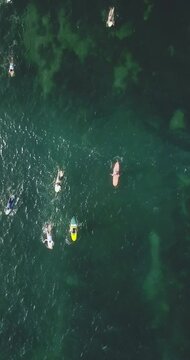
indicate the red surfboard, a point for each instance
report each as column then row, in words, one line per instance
column 116, row 174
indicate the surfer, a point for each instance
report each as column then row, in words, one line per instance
column 48, row 241
column 10, row 204
column 116, row 174
column 73, row 229
column 58, row 181
column 111, row 19
column 11, row 71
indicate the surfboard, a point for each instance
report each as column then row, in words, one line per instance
column 10, row 205
column 59, row 180
column 115, row 174
column 73, row 229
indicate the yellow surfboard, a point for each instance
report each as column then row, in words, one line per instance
column 73, row 229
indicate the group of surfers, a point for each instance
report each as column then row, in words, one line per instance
column 47, row 229
column 73, row 228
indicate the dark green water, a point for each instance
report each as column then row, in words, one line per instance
column 119, row 292
column 84, row 96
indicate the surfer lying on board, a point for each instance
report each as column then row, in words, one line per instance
column 10, row 204
column 48, row 241
column 58, row 181
column 11, row 71
column 110, row 20
column 116, row 173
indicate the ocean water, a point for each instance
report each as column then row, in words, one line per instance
column 119, row 292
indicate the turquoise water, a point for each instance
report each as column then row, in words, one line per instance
column 112, row 294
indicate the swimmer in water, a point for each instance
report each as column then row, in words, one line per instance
column 11, row 71
column 58, row 181
column 10, row 204
column 111, row 19
column 48, row 241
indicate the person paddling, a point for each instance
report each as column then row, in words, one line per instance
column 111, row 17
column 59, row 180
column 48, row 241
column 11, row 71
column 116, row 173
column 10, row 204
